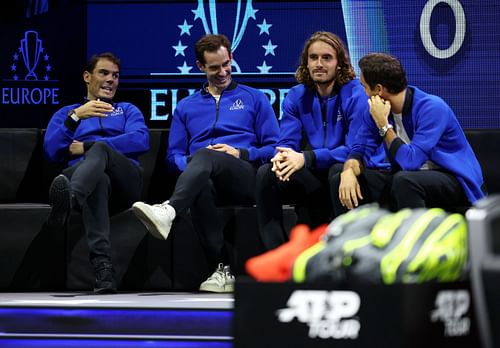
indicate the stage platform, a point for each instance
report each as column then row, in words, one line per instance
column 153, row 319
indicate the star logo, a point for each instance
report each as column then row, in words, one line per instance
column 184, row 69
column 185, row 28
column 179, row 49
column 212, row 17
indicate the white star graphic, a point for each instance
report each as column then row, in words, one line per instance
column 264, row 27
column 253, row 11
column 198, row 13
column 185, row 28
column 269, row 48
column 184, row 69
column 179, row 49
column 264, row 69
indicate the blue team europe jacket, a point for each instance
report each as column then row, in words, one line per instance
column 435, row 135
column 329, row 139
column 123, row 130
column 243, row 119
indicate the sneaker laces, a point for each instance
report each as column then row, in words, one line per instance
column 221, row 272
column 163, row 208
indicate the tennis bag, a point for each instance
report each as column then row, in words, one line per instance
column 370, row 244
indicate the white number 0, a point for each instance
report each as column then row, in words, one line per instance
column 425, row 34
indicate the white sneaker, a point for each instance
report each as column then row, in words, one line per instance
column 222, row 280
column 157, row 218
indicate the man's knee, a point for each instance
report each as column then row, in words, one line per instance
column 401, row 182
column 264, row 174
column 99, row 147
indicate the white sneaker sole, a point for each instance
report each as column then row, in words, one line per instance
column 218, row 289
column 148, row 221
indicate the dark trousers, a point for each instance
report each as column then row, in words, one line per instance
column 213, row 178
column 104, row 182
column 308, row 189
column 403, row 189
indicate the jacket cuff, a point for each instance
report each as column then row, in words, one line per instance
column 71, row 124
column 244, row 155
column 395, row 145
column 87, row 145
column 309, row 159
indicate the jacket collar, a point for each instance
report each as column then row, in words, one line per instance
column 232, row 85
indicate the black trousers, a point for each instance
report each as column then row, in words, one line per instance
column 404, row 189
column 307, row 188
column 103, row 183
column 213, row 178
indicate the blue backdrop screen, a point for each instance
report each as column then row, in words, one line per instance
column 449, row 48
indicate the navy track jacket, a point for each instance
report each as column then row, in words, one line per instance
column 329, row 140
column 243, row 119
column 123, row 130
column 435, row 135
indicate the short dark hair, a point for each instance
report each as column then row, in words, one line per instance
column 384, row 69
column 345, row 72
column 92, row 62
column 211, row 43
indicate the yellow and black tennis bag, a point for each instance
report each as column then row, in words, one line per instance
column 370, row 244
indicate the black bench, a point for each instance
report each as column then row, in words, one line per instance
column 33, row 258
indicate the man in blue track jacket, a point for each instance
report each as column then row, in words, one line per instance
column 433, row 165
column 321, row 117
column 218, row 137
column 101, row 141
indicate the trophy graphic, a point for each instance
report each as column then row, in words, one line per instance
column 31, row 48
column 239, row 27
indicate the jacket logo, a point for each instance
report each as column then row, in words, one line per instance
column 116, row 111
column 339, row 116
column 237, row 105
column 329, row 314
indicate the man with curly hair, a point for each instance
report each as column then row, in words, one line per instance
column 320, row 120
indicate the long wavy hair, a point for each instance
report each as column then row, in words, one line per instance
column 345, row 72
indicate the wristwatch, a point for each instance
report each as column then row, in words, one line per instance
column 73, row 115
column 383, row 130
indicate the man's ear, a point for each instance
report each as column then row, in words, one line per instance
column 380, row 90
column 200, row 66
column 86, row 77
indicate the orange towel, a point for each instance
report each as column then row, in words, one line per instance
column 276, row 265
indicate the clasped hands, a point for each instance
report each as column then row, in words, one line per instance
column 286, row 162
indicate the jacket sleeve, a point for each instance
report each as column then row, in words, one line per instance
column 430, row 123
column 178, row 141
column 266, row 131
column 366, row 140
column 134, row 140
column 58, row 137
column 290, row 125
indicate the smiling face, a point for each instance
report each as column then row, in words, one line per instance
column 322, row 62
column 217, row 67
column 102, row 82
